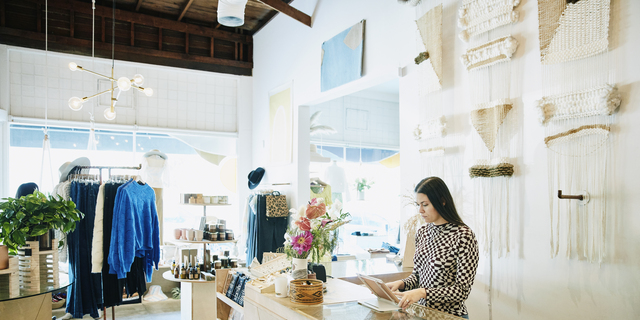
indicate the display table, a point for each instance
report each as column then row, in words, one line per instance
column 195, row 298
column 31, row 304
column 340, row 303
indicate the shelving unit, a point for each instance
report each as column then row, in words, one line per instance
column 225, row 306
column 205, row 205
column 195, row 298
column 9, row 278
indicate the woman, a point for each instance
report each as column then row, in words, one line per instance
column 446, row 255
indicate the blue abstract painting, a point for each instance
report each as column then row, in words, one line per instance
column 342, row 58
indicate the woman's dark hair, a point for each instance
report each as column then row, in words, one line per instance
column 436, row 190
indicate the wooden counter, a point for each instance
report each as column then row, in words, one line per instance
column 340, row 303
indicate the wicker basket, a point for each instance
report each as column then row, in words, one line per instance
column 305, row 291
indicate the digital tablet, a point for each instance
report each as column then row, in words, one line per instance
column 379, row 288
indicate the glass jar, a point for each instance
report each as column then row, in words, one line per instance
column 229, row 234
column 214, row 236
column 217, row 264
column 234, row 263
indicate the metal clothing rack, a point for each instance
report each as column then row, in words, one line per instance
column 78, row 169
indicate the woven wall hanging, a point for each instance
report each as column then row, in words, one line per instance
column 577, row 110
column 490, row 53
column 430, row 125
column 430, row 29
column 488, row 117
column 491, row 187
column 571, row 31
column 479, row 16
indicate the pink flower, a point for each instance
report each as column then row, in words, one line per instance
column 302, row 242
column 325, row 222
column 304, row 224
column 316, row 209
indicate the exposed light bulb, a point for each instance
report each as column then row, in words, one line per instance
column 75, row 103
column 108, row 114
column 148, row 92
column 138, row 79
column 73, row 66
column 124, row 84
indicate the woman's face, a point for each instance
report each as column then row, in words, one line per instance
column 427, row 211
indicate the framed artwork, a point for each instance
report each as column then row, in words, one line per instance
column 341, row 60
column 281, row 124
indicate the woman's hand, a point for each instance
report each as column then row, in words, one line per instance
column 396, row 285
column 410, row 297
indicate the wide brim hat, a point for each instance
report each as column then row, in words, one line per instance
column 155, row 152
column 66, row 167
column 255, row 177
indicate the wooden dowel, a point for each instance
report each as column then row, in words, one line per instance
column 561, row 196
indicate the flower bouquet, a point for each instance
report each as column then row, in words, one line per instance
column 313, row 232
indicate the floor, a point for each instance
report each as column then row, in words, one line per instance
column 162, row 310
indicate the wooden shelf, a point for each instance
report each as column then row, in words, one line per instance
column 222, row 297
column 167, row 275
column 203, row 241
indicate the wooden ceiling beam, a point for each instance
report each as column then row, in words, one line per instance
column 184, row 10
column 292, row 12
column 142, row 19
column 138, row 5
column 65, row 44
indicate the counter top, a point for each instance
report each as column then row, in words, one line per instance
column 340, row 303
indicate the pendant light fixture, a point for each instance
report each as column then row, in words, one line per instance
column 121, row 84
column 231, row 12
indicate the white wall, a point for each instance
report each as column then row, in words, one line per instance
column 527, row 284
column 359, row 121
column 286, row 50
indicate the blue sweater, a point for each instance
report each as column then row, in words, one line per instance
column 135, row 231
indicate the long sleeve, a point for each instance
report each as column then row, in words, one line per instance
column 98, row 228
column 445, row 265
column 123, row 235
column 467, row 263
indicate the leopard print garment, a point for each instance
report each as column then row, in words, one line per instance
column 277, row 206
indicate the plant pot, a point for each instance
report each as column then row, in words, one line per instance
column 4, row 257
column 361, row 195
column 45, row 241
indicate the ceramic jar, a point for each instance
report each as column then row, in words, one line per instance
column 4, row 257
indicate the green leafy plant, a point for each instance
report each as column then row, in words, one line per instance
column 362, row 184
column 34, row 215
column 175, row 293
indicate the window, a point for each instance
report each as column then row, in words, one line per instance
column 187, row 171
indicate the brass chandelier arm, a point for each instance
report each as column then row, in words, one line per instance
column 97, row 94
column 97, row 74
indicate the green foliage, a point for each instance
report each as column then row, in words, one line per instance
column 362, row 184
column 33, row 215
column 175, row 293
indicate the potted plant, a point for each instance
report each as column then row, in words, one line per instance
column 313, row 233
column 361, row 185
column 35, row 215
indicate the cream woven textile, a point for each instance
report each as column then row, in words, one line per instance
column 603, row 100
column 479, row 16
column 430, row 28
column 572, row 31
column 490, row 53
column 488, row 117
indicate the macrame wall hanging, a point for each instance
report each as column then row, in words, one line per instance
column 431, row 124
column 577, row 110
column 486, row 27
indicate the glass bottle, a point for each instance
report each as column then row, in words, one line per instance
column 176, row 272
column 183, row 272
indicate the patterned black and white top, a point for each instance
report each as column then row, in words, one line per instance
column 445, row 266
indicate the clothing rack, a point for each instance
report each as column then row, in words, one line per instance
column 78, row 168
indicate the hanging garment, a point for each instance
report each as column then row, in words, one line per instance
column 269, row 231
column 111, row 285
column 135, row 231
column 84, row 293
column 324, row 194
column 98, row 229
column 252, row 235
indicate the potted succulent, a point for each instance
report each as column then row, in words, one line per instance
column 35, row 215
column 361, row 185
